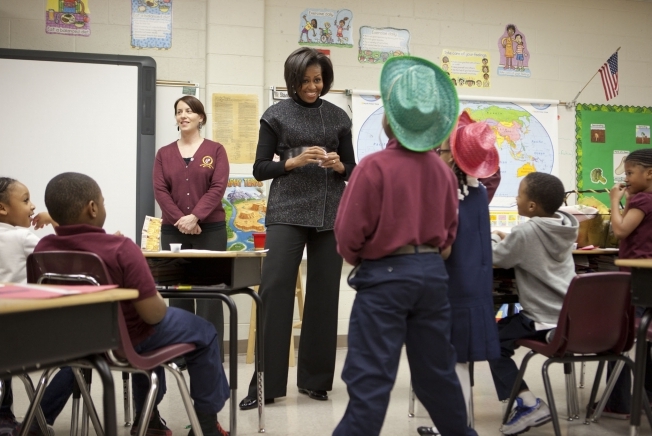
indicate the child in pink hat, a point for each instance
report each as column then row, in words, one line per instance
column 471, row 154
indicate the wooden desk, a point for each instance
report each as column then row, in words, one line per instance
column 38, row 334
column 641, row 296
column 236, row 271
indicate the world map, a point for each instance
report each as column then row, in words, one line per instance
column 524, row 144
column 526, row 139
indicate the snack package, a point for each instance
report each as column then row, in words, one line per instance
column 151, row 236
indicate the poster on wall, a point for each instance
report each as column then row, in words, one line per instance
column 151, row 24
column 245, row 204
column 377, row 44
column 235, row 125
column 526, row 136
column 67, row 17
column 467, row 68
column 326, row 27
column 514, row 55
column 604, row 136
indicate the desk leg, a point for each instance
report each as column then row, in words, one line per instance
column 639, row 371
column 260, row 361
column 110, row 414
column 233, row 360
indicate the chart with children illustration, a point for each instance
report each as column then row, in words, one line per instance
column 526, row 137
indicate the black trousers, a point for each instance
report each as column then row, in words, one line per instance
column 316, row 362
column 211, row 310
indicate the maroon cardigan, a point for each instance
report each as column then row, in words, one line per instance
column 195, row 188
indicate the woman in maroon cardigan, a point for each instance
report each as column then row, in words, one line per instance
column 190, row 176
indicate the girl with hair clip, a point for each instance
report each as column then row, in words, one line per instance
column 634, row 229
column 471, row 154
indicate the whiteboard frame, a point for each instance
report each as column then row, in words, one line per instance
column 145, row 110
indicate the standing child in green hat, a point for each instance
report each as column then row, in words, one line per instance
column 397, row 234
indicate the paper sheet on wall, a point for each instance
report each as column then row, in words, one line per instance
column 235, row 125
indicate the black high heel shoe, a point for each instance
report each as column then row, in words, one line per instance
column 250, row 402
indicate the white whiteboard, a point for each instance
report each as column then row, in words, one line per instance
column 73, row 116
column 166, row 125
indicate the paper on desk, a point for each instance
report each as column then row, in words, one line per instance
column 40, row 292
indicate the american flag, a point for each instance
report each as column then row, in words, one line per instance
column 609, row 74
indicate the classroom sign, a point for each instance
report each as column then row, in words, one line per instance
column 151, row 24
column 67, row 17
column 326, row 27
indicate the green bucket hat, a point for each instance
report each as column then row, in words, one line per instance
column 420, row 102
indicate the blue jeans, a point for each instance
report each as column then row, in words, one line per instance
column 54, row 399
column 504, row 369
column 401, row 300
column 209, row 387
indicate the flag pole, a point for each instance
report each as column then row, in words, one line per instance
column 572, row 104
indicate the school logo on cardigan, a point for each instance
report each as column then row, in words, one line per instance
column 207, row 162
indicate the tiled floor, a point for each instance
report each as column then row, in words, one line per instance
column 298, row 415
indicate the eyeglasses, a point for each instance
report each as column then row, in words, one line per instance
column 440, row 150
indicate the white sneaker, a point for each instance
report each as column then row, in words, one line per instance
column 524, row 417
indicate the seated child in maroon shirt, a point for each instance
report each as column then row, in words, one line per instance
column 75, row 201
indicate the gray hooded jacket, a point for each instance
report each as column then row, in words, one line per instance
column 541, row 253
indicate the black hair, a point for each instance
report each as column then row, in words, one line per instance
column 298, row 62
column 5, row 187
column 67, row 194
column 511, row 26
column 462, row 182
column 641, row 157
column 194, row 104
column 545, row 190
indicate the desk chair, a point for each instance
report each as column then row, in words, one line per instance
column 66, row 267
column 596, row 323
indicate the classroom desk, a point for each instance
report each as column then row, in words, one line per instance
column 504, row 294
column 641, row 296
column 236, row 271
column 38, row 334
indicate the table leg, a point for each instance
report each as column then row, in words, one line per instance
column 233, row 360
column 260, row 361
column 110, row 414
column 36, row 401
column 639, row 371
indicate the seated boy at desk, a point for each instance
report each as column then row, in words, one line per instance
column 75, row 201
column 541, row 253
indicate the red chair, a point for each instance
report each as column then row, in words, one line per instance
column 85, row 267
column 596, row 323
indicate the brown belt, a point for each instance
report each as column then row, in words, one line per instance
column 415, row 249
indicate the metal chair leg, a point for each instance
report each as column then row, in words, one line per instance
column 36, row 401
column 187, row 401
column 126, row 399
column 146, row 413
column 582, row 371
column 88, row 405
column 611, row 382
column 551, row 399
column 411, row 401
column 29, row 388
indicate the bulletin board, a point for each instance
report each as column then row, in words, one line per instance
column 605, row 135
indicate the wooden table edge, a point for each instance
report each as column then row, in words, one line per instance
column 24, row 305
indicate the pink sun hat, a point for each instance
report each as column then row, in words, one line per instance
column 473, row 145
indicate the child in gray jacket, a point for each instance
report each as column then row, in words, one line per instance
column 541, row 253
